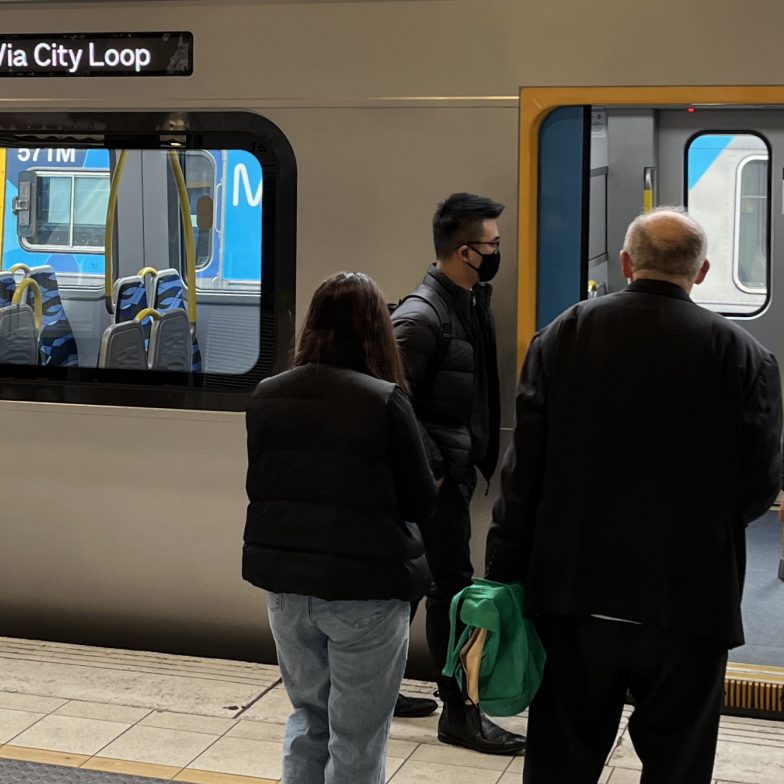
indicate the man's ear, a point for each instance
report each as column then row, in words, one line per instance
column 703, row 271
column 626, row 265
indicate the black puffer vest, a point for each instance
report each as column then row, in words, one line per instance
column 444, row 403
column 323, row 518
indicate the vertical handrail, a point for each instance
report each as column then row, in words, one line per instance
column 108, row 272
column 187, row 230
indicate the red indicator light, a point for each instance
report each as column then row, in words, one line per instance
column 691, row 109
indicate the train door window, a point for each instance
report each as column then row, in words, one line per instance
column 728, row 192
column 752, row 224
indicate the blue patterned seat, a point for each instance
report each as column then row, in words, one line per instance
column 168, row 295
column 57, row 344
column 7, row 287
column 129, row 297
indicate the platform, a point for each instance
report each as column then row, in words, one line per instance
column 76, row 715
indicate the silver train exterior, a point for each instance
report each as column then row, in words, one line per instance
column 122, row 525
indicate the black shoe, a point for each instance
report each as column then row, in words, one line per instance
column 465, row 725
column 414, row 707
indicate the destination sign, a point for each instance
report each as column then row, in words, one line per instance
column 97, row 54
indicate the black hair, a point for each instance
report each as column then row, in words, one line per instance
column 459, row 219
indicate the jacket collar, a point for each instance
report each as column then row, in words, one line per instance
column 661, row 287
column 461, row 297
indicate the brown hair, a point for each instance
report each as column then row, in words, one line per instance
column 348, row 324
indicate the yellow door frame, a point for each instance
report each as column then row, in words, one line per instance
column 536, row 103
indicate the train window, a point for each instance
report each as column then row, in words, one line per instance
column 148, row 261
column 728, row 193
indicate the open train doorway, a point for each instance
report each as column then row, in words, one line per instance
column 594, row 158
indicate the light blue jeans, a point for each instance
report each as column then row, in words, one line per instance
column 342, row 663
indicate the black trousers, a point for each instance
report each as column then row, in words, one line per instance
column 447, row 542
column 676, row 683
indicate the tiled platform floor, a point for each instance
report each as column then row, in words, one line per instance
column 209, row 721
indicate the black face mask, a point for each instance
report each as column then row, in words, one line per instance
column 488, row 268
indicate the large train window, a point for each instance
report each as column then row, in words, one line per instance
column 161, row 266
column 728, row 193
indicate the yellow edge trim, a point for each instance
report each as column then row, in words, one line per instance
column 127, row 767
column 142, row 314
column 3, row 156
column 536, row 103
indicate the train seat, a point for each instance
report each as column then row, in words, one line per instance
column 129, row 297
column 57, row 344
column 122, row 347
column 18, row 341
column 171, row 345
column 169, row 294
column 7, row 287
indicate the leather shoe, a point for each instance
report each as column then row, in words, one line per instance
column 467, row 726
column 414, row 707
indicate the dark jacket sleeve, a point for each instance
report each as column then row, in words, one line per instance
column 761, row 459
column 414, row 482
column 514, row 514
column 417, row 337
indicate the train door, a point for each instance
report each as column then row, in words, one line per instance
column 591, row 159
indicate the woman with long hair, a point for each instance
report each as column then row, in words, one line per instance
column 338, row 482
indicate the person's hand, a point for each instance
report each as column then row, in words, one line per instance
column 439, row 482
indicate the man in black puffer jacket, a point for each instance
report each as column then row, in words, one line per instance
column 446, row 334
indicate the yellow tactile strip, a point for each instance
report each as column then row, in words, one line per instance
column 167, row 772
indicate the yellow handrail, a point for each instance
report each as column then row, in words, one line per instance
column 109, row 237
column 142, row 314
column 37, row 299
column 20, row 266
column 147, row 270
column 187, row 230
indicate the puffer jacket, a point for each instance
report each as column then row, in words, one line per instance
column 439, row 345
column 338, row 481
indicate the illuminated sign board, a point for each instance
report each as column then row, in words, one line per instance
column 97, row 54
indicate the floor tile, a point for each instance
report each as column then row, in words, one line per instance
column 43, row 756
column 257, row 730
column 391, row 766
column 274, row 706
column 102, row 710
column 245, row 757
column 29, row 702
column 744, row 762
column 413, row 772
column 624, row 755
column 624, row 776
column 415, row 730
column 401, row 749
column 158, row 746
column 172, row 690
column 71, row 734
column 516, row 765
column 184, row 721
column 12, row 722
column 451, row 755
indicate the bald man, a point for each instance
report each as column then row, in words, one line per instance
column 646, row 441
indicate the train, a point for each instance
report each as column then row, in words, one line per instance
column 237, row 154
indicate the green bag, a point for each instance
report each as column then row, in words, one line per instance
column 498, row 659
